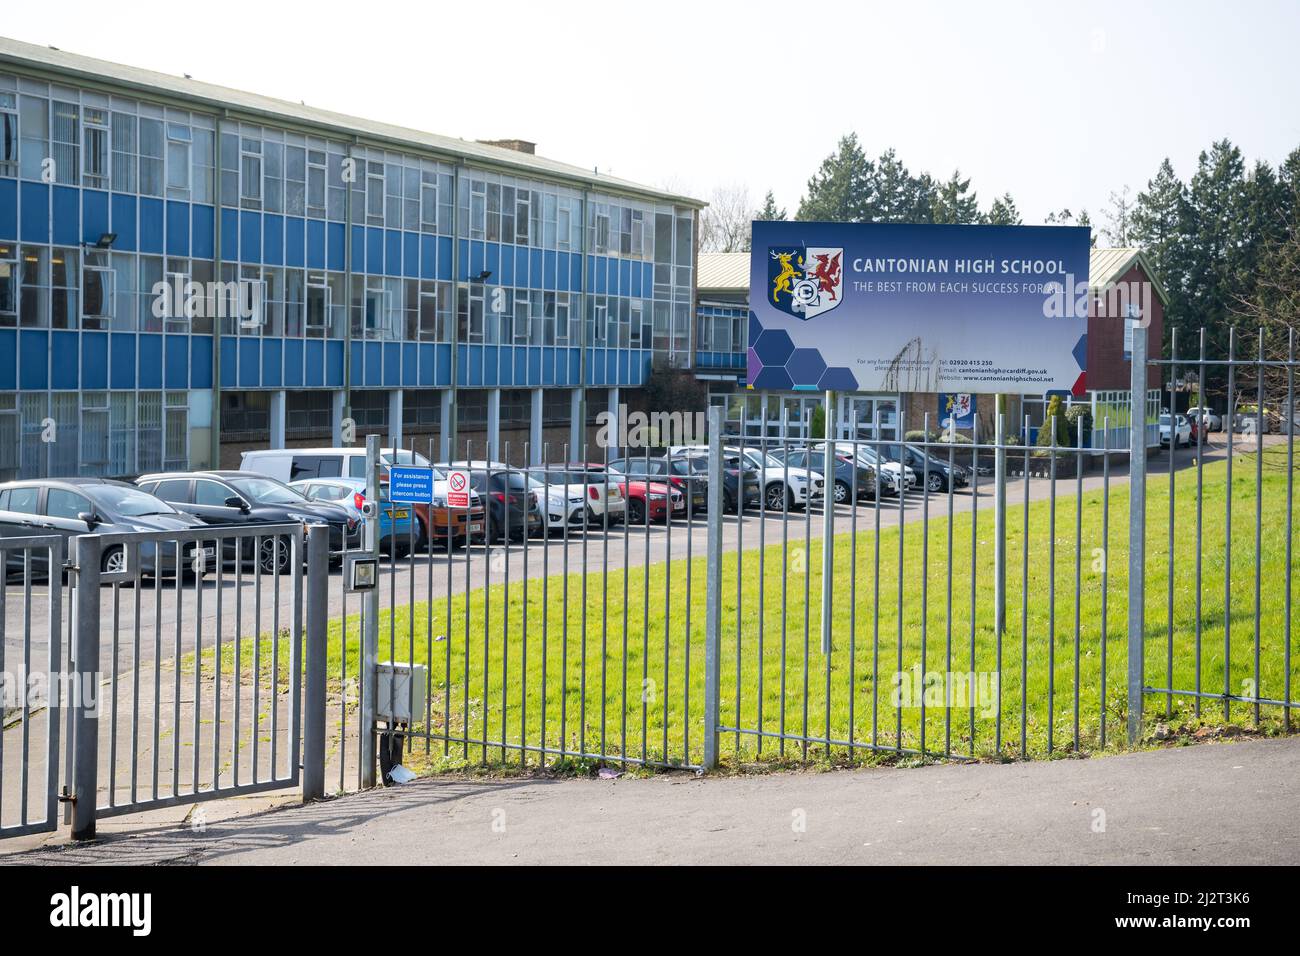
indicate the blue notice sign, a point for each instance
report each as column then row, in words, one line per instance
column 409, row 485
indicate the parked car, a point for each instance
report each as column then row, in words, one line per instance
column 396, row 522
column 895, row 477
column 687, row 474
column 1205, row 418
column 577, row 498
column 71, row 507
column 783, row 486
column 931, row 469
column 436, row 521
column 646, row 500
column 241, row 499
column 513, row 504
column 1181, row 428
column 848, row 470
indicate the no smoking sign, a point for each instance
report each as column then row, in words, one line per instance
column 458, row 489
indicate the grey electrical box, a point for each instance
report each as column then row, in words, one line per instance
column 402, row 692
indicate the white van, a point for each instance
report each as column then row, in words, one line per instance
column 298, row 464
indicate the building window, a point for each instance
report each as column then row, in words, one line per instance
column 8, row 134
column 179, row 142
column 34, row 127
column 124, row 150
column 152, row 151
column 250, row 173
column 8, row 284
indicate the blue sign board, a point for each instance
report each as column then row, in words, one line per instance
column 407, row 485
column 917, row 308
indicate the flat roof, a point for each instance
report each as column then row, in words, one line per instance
column 60, row 66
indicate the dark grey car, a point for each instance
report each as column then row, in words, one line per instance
column 72, row 507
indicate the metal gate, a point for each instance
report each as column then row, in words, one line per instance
column 31, row 685
column 181, row 679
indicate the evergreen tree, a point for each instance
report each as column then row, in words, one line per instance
column 1160, row 222
column 1118, row 229
column 954, row 203
column 769, row 210
column 840, row 190
column 1003, row 212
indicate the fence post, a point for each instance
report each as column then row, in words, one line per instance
column 999, row 517
column 317, row 600
column 713, row 594
column 828, row 518
column 85, row 667
column 370, row 625
column 1137, row 523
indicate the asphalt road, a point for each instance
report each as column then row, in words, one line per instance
column 436, row 575
column 1228, row 803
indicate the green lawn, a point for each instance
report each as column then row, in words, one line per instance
column 534, row 671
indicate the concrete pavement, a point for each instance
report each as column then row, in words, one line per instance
column 1225, row 803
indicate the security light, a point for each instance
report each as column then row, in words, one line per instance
column 105, row 241
column 482, row 276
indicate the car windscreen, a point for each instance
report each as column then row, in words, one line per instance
column 267, row 492
column 404, row 457
column 127, row 502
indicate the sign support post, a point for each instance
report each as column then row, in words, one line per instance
column 828, row 518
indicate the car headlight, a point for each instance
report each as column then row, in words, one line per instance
column 305, row 519
column 658, row 497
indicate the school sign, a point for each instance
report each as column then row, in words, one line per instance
column 918, row 308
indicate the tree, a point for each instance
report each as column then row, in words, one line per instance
column 1003, row 212
column 725, row 221
column 769, row 211
column 1064, row 217
column 840, row 190
column 1118, row 216
column 1160, row 224
column 954, row 203
column 897, row 196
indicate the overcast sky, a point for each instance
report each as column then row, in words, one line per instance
column 1057, row 103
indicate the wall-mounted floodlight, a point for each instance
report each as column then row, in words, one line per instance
column 105, row 241
column 482, row 276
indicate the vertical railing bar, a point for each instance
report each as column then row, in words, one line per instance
column 1105, row 568
column 1259, row 510
column 1200, row 455
column 1227, row 534
column 1169, row 598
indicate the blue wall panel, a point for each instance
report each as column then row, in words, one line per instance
column 35, row 212
column 477, row 259
column 392, row 252
column 411, row 255
column 492, row 263
column 151, row 225
column 8, row 209
column 273, row 240
column 375, row 251
column 549, row 277
column 295, row 239
column 64, row 360
column 292, row 363
column 123, row 222
column 562, row 271
column 373, row 373
column 203, row 231
column 357, row 363
column 33, row 359
column 250, row 362
column 250, row 236
column 535, row 268
column 392, row 374
column 428, row 257
column 94, row 214
column 94, row 360
column 177, row 373
column 314, row 362
column 358, row 248
column 272, row 353
column 230, row 234
column 229, row 360
column 336, row 237
column 67, row 216
column 151, row 361
column 575, row 273
column 443, row 365
column 444, row 258
column 334, row 364
column 201, row 361
column 315, row 244
column 507, row 266
column 410, row 364
column 427, row 358
column 520, row 377
column 121, row 356
column 178, row 228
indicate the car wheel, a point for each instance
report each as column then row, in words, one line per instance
column 935, row 481
column 269, row 560
column 777, row 498
column 636, row 511
column 842, row 492
column 113, row 561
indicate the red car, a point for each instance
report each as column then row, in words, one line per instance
column 645, row 499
